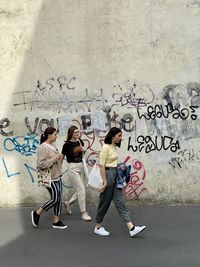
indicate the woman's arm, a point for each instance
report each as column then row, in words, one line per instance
column 103, row 175
column 62, row 158
column 82, row 145
column 102, row 162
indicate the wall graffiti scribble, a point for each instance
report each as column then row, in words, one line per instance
column 60, row 83
column 55, row 95
column 5, row 123
column 147, row 144
column 177, row 95
column 184, row 157
column 25, row 145
column 135, row 186
column 39, row 125
column 7, row 171
column 147, row 126
column 158, row 111
column 125, row 122
column 133, row 96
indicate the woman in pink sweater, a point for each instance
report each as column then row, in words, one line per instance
column 49, row 158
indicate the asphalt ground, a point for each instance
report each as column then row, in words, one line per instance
column 172, row 238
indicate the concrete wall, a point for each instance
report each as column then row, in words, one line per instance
column 133, row 64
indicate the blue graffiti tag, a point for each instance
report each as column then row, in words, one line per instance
column 6, row 169
column 25, row 145
column 29, row 169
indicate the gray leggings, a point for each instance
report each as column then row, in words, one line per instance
column 112, row 193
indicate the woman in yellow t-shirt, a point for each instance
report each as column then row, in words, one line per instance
column 108, row 166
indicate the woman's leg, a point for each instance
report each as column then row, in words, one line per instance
column 106, row 197
column 120, row 204
column 73, row 198
column 122, row 209
column 55, row 194
column 75, row 170
column 58, row 204
column 53, row 191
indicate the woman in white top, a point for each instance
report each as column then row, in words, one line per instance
column 73, row 150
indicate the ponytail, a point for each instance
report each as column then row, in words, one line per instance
column 44, row 135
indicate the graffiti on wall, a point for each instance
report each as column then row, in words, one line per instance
column 94, row 114
column 157, row 143
column 159, row 111
column 125, row 122
column 4, row 127
column 182, row 95
column 184, row 159
column 181, row 103
column 29, row 170
column 56, row 94
column 135, row 95
column 135, row 187
column 25, row 145
column 100, row 121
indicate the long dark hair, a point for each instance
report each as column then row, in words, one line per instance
column 112, row 132
column 70, row 132
column 47, row 131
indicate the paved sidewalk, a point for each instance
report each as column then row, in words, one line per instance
column 172, row 238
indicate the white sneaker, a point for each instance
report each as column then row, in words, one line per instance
column 137, row 230
column 101, row 231
column 68, row 207
column 85, row 216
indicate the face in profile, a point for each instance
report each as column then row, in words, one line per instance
column 76, row 133
column 117, row 138
column 52, row 137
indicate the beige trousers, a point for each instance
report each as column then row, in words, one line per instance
column 76, row 176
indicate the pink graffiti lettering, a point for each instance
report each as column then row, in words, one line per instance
column 135, row 187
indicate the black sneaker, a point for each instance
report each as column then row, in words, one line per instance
column 59, row 225
column 35, row 218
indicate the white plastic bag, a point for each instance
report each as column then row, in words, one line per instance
column 86, row 171
column 95, row 179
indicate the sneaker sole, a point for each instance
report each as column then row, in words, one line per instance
column 138, row 232
column 32, row 218
column 102, row 235
column 87, row 220
column 58, row 227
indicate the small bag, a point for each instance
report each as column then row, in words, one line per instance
column 95, row 179
column 44, row 177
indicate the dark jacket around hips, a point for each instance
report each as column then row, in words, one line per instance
column 123, row 177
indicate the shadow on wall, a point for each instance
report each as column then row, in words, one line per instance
column 52, row 41
column 49, row 41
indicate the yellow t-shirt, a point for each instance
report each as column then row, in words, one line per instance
column 108, row 156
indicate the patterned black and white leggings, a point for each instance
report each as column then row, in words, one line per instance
column 55, row 192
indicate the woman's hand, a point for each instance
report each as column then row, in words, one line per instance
column 83, row 149
column 58, row 156
column 123, row 167
column 102, row 187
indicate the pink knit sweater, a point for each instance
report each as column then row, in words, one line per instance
column 46, row 160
